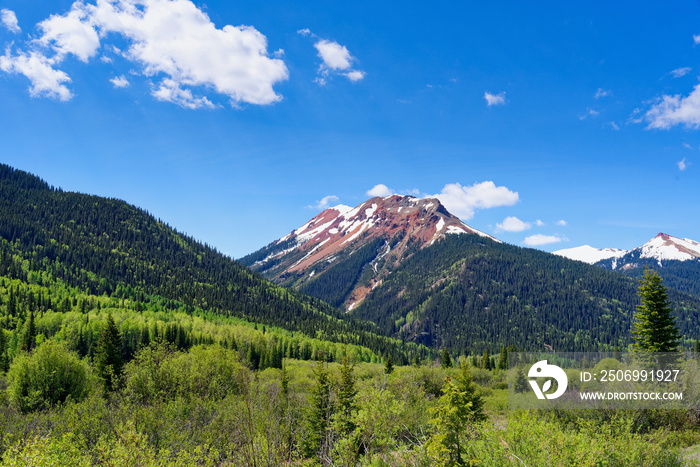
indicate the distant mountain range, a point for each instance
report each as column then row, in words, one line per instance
column 678, row 260
column 385, row 274
column 422, row 275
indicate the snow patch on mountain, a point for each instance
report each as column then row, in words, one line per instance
column 589, row 254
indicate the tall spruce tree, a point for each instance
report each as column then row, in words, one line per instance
column 445, row 359
column 108, row 358
column 654, row 328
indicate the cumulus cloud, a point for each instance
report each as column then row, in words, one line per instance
column 335, row 60
column 120, row 81
column 334, row 55
column 9, row 20
column 696, row 39
column 495, row 99
column 683, row 164
column 169, row 38
column 539, row 223
column 71, row 33
column 540, row 239
column 679, row 72
column 513, row 224
column 380, row 190
column 325, row 202
column 170, row 91
column 669, row 111
column 463, row 201
column 45, row 80
column 561, row 222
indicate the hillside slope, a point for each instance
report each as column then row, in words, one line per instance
column 106, row 246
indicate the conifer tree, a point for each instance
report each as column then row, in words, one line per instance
column 347, row 393
column 108, row 357
column 4, row 364
column 388, row 365
column 319, row 415
column 654, row 328
column 486, row 361
column 446, row 360
column 696, row 349
column 29, row 336
column 520, row 381
column 503, row 359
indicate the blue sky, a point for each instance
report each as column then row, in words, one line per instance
column 232, row 121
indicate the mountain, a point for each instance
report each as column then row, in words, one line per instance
column 343, row 253
column 393, row 261
column 105, row 246
column 676, row 259
column 589, row 254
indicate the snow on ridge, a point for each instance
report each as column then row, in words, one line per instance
column 589, row 254
column 667, row 247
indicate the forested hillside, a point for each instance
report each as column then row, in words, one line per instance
column 103, row 246
column 470, row 293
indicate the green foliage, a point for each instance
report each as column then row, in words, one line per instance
column 108, row 358
column 467, row 293
column 48, row 377
column 445, row 359
column 160, row 373
column 655, row 327
column 520, row 384
column 319, row 413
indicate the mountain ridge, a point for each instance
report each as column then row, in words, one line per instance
column 406, row 223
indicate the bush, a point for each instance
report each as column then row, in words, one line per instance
column 48, row 377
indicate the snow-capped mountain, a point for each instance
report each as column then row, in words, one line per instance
column 661, row 248
column 589, row 254
column 368, row 240
column 665, row 247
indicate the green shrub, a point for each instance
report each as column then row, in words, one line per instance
column 48, row 377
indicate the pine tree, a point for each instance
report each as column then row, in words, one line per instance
column 520, row 381
column 654, row 328
column 108, row 358
column 388, row 365
column 503, row 359
column 486, row 361
column 446, row 360
column 346, row 395
column 4, row 364
column 697, row 346
column 320, row 408
column 29, row 336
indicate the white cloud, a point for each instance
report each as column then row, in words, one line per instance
column 539, row 240
column 334, row 55
column 380, row 190
column 614, row 126
column 683, row 164
column 71, row 33
column 120, row 81
column 561, row 222
column 325, row 202
column 696, row 39
column 463, row 201
column 495, row 99
column 675, row 110
column 335, row 59
column 589, row 113
column 355, row 75
column 305, row 32
column 513, row 224
column 539, row 223
column 602, row 93
column 9, row 20
column 175, row 39
column 46, row 81
column 679, row 72
column 170, row 91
